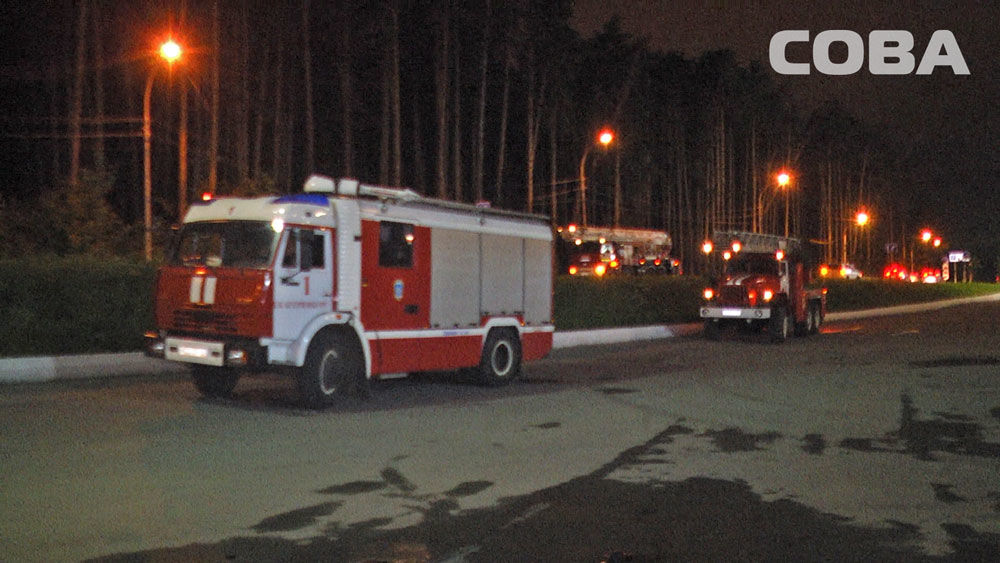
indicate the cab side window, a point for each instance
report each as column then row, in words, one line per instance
column 395, row 249
column 304, row 248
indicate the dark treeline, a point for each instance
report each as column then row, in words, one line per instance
column 473, row 100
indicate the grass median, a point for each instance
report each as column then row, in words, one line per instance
column 82, row 305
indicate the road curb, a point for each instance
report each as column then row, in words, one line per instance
column 50, row 368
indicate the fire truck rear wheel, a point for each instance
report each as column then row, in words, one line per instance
column 333, row 368
column 815, row 317
column 213, row 381
column 780, row 325
column 501, row 359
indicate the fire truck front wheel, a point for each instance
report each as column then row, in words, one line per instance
column 214, row 381
column 333, row 367
column 501, row 359
column 780, row 324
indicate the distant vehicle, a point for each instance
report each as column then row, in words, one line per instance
column 599, row 251
column 843, row 271
column 764, row 285
column 895, row 272
column 929, row 275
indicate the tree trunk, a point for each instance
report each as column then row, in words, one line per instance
column 456, row 138
column 477, row 173
column 307, row 65
column 397, row 112
column 77, row 108
column 213, row 143
column 99, row 99
column 553, row 179
column 504, row 110
column 243, row 119
column 441, row 99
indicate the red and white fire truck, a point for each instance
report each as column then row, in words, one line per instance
column 597, row 251
column 763, row 285
column 347, row 282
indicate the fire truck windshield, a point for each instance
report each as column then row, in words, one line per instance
column 234, row 244
column 751, row 263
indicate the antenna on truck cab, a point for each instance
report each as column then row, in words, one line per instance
column 351, row 187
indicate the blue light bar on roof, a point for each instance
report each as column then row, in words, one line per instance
column 309, row 199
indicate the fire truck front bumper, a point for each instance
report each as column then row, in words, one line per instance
column 202, row 351
column 748, row 313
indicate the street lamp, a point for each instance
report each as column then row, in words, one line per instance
column 170, row 51
column 604, row 138
column 861, row 219
column 783, row 179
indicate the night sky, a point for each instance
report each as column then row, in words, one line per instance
column 952, row 123
column 948, row 126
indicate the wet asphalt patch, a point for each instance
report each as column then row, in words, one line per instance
column 813, row 444
column 616, row 390
column 957, row 361
column 590, row 518
column 923, row 438
column 732, row 440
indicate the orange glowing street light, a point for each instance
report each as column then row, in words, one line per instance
column 862, row 218
column 170, row 51
column 784, row 178
column 926, row 235
column 605, row 137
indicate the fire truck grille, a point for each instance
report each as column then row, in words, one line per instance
column 197, row 320
column 733, row 295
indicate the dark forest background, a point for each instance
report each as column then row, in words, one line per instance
column 465, row 100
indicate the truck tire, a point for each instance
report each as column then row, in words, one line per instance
column 333, row 369
column 780, row 325
column 213, row 381
column 500, row 362
column 815, row 317
column 712, row 329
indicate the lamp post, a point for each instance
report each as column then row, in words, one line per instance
column 605, row 138
column 169, row 51
column 783, row 179
column 861, row 219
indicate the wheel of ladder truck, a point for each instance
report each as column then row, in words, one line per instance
column 213, row 381
column 333, row 370
column 780, row 325
column 500, row 362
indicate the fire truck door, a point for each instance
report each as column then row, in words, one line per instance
column 303, row 284
column 395, row 276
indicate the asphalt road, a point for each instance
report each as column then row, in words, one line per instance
column 877, row 439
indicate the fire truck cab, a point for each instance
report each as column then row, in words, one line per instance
column 347, row 282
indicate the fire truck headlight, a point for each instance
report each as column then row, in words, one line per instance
column 155, row 346
column 600, row 269
column 708, row 294
column 768, row 295
column 277, row 224
column 236, row 357
column 573, row 270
